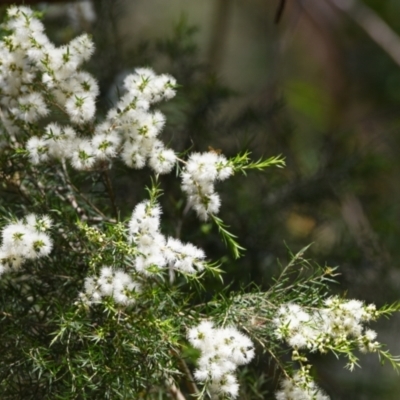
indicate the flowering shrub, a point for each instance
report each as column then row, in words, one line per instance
column 95, row 306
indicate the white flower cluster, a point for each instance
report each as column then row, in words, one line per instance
column 222, row 350
column 24, row 240
column 328, row 326
column 30, row 61
column 300, row 387
column 154, row 249
column 110, row 283
column 130, row 130
column 56, row 142
column 198, row 177
column 138, row 126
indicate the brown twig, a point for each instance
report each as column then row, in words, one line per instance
column 111, row 194
column 87, row 200
column 190, row 383
column 279, row 11
column 175, row 392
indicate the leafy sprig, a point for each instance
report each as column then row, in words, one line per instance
column 242, row 162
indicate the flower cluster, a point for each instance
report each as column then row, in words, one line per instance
column 154, row 249
column 24, row 240
column 136, row 125
column 331, row 325
column 110, row 283
column 300, row 387
column 130, row 130
column 37, row 77
column 56, row 142
column 198, row 177
column 222, row 350
column 34, row 73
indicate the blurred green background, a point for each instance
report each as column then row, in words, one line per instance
column 318, row 83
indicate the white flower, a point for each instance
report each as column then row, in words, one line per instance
column 15, row 238
column 337, row 321
column 60, row 140
column 80, row 108
column 105, row 145
column 89, row 285
column 83, row 155
column 82, row 82
column 145, row 218
column 19, row 11
column 145, row 83
column 38, row 150
column 370, row 335
column 154, row 249
column 229, row 386
column 112, row 283
column 83, row 46
column 201, row 334
column 41, row 246
column 201, row 375
column 298, row 388
column 162, row 160
column 198, row 177
column 133, row 156
column 183, row 257
column 24, row 240
column 30, row 107
column 222, row 350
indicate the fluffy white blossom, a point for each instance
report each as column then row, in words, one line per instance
column 139, row 127
column 24, row 240
column 28, row 56
column 113, row 283
column 80, row 108
column 183, row 257
column 83, row 154
column 318, row 329
column 198, row 177
column 222, row 351
column 56, row 142
column 154, row 250
column 133, row 155
column 300, row 387
column 145, row 83
column 162, row 160
column 105, row 145
column 82, row 47
column 130, row 130
column 60, row 139
column 38, row 150
column 30, row 107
